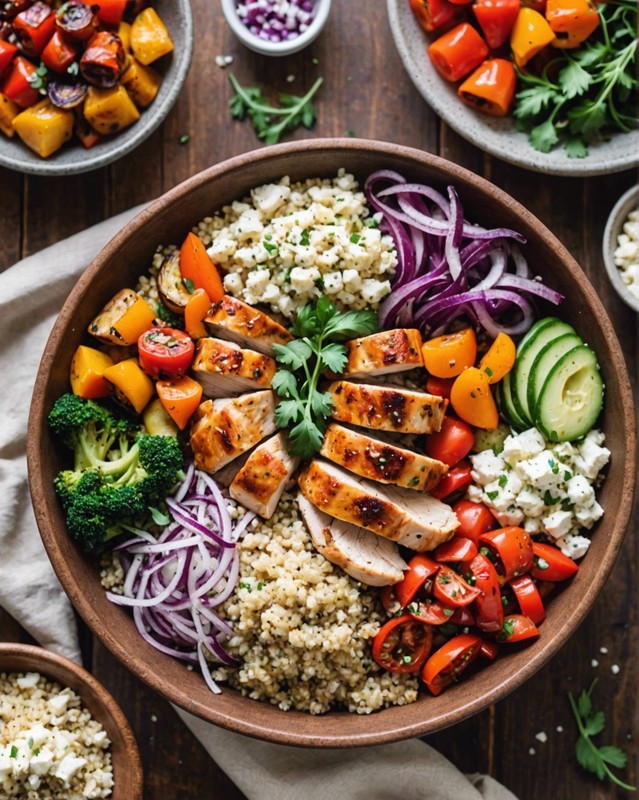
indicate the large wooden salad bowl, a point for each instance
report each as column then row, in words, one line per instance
column 168, row 220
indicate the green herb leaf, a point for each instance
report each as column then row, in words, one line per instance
column 351, row 324
column 334, row 357
column 595, row 723
column 287, row 412
column 159, row 516
column 188, row 285
column 14, row 751
column 306, row 439
column 294, row 354
column 321, row 403
column 284, row 383
column 613, row 755
column 574, row 79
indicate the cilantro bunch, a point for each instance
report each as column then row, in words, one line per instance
column 584, row 93
column 320, row 329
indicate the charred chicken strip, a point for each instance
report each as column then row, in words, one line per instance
column 384, row 353
column 233, row 319
column 224, row 368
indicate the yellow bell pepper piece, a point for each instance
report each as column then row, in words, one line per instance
column 150, row 39
column 124, row 32
column 8, row 112
column 44, row 128
column 109, row 110
column 499, row 359
column 572, row 21
column 123, row 319
column 132, row 386
column 530, row 34
column 142, row 83
column 87, row 373
column 473, row 401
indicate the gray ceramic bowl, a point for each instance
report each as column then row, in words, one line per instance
column 73, row 158
column 496, row 136
column 618, row 216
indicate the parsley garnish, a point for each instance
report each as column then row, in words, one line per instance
column 414, row 481
column 320, row 328
column 292, row 112
column 492, row 495
column 590, row 757
column 503, row 480
column 549, row 500
column 14, row 751
column 188, row 285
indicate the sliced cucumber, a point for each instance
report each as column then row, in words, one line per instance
column 541, row 334
column 571, row 397
column 507, row 406
column 546, row 359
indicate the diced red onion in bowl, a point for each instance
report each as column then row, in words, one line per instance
column 448, row 267
column 174, row 582
column 276, row 20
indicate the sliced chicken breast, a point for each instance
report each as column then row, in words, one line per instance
column 384, row 353
column 415, row 520
column 379, row 460
column 387, row 407
column 260, row 482
column 233, row 319
column 364, row 556
column 224, row 368
column 225, row 428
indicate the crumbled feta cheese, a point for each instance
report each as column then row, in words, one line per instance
column 558, row 523
column 626, row 254
column 541, row 736
column 68, row 767
column 594, row 663
column 573, row 545
column 615, row 669
column 487, row 467
column 29, row 680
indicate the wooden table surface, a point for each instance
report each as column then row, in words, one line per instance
column 366, row 91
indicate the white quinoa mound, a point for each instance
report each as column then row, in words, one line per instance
column 303, row 627
column 51, row 748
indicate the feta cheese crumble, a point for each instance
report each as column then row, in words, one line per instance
column 626, row 255
column 545, row 488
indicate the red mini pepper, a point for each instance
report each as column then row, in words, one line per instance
column 491, row 87
column 434, row 15
column 457, row 53
column 111, row 11
column 34, row 27
column 59, row 54
column 7, row 52
column 496, row 19
column 17, row 86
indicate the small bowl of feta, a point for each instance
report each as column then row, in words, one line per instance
column 61, row 733
column 621, row 247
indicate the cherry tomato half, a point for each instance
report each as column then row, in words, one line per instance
column 455, row 480
column 528, row 597
column 514, row 547
column 453, row 590
column 550, row 564
column 490, row 612
column 431, row 611
column 489, row 650
column 389, row 600
column 452, row 658
column 459, row 548
column 420, row 568
column 452, row 442
column 165, row 352
column 474, row 519
column 440, row 387
column 516, row 628
column 402, row 644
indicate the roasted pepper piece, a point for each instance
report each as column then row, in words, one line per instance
column 133, row 388
column 457, row 53
column 111, row 11
column 530, row 34
column 110, row 110
column 197, row 307
column 180, row 397
column 87, row 373
column 491, row 87
column 434, row 15
column 496, row 19
column 142, row 83
column 8, row 112
column 44, row 128
column 572, row 21
column 123, row 319
column 59, row 54
column 196, row 266
column 16, row 85
column 473, row 401
column 150, row 39
column 33, row 28
column 102, row 62
column 124, row 32
column 7, row 52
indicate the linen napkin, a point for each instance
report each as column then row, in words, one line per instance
column 31, row 294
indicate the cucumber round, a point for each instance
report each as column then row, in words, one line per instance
column 542, row 333
column 571, row 397
column 546, row 359
column 505, row 400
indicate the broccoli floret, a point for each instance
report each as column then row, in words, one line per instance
column 119, row 472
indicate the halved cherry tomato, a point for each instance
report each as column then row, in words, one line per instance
column 528, row 597
column 452, row 589
column 457, row 478
column 440, row 387
column 516, row 628
column 473, row 401
column 196, row 266
column 452, row 442
column 165, row 352
column 420, row 569
column 197, row 307
column 180, row 397
column 402, row 644
column 446, row 356
column 17, row 86
column 431, row 611
column 455, row 55
column 388, row 596
column 474, row 519
column 499, row 358
column 452, row 658
column 489, row 650
column 496, row 19
column 462, row 616
column 550, row 564
column 433, row 15
column 459, row 548
column 490, row 612
column 514, row 547
column 7, row 52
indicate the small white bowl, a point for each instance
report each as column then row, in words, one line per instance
column 321, row 10
column 618, row 216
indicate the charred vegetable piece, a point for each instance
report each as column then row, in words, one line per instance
column 102, row 62
column 17, row 84
column 110, row 110
column 572, row 21
column 458, row 52
column 59, row 54
column 142, row 83
column 85, row 133
column 76, row 20
column 132, row 387
column 111, row 11
column 123, row 319
column 7, row 52
column 44, row 128
column 150, row 39
column 33, row 28
column 491, row 87
column 8, row 111
column 530, row 34
column 66, row 95
column 11, row 8
column 87, row 373
column 165, row 352
column 171, row 288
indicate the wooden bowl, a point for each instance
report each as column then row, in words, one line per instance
column 167, row 221
column 127, row 765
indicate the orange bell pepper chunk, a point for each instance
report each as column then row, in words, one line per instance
column 133, row 387
column 491, row 87
column 499, row 358
column 197, row 267
column 572, row 21
column 87, row 373
column 473, row 401
column 197, row 307
column 180, row 397
column 446, row 356
column 457, row 53
column 530, row 34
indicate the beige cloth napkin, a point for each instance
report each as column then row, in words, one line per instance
column 31, row 294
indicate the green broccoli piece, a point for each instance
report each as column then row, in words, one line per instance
column 119, row 472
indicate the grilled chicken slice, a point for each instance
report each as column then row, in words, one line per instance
column 224, row 368
column 260, row 482
column 364, row 556
column 225, row 428
column 384, row 353
column 233, row 319
column 417, row 521
column 381, row 461
column 387, row 407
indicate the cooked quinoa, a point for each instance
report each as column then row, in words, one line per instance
column 50, row 745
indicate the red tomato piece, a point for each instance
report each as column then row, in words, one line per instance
column 389, row 600
column 452, row 589
column 402, row 644
column 456, row 549
column 474, row 519
column 455, row 480
column 430, row 611
column 550, row 564
column 111, row 11
column 489, row 650
column 420, row 568
column 59, row 54
column 516, row 628
column 165, row 352
column 440, row 387
column 447, row 663
column 488, row 606
column 528, row 597
column 514, row 547
column 496, row 19
column 462, row 616
column 452, row 442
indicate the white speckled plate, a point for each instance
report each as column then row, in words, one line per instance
column 497, row 136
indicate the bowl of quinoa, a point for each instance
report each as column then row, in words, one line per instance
column 62, row 735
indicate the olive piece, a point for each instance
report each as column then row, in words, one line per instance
column 67, row 95
column 77, row 21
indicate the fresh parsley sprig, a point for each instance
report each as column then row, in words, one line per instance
column 590, row 757
column 270, row 122
column 320, row 330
